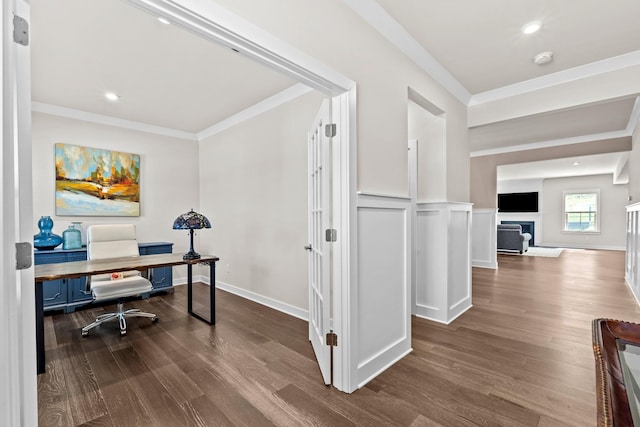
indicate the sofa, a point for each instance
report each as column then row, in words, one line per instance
column 511, row 238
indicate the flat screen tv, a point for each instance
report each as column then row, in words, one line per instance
column 518, row 202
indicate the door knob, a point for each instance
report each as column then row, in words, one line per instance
column 308, row 247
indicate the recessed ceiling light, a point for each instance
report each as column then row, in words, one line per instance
column 543, row 58
column 164, row 21
column 531, row 27
column 111, row 96
column 576, row 163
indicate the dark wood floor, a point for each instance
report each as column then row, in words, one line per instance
column 521, row 356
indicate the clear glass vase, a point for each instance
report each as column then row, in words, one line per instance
column 71, row 238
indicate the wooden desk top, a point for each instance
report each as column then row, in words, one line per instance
column 70, row 270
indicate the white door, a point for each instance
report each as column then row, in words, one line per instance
column 18, row 395
column 319, row 168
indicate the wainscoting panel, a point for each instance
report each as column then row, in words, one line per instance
column 460, row 259
column 483, row 238
column 632, row 269
column 443, row 261
column 383, row 328
column 430, row 298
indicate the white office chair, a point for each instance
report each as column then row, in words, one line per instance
column 115, row 241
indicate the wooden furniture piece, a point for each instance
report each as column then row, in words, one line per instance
column 616, row 347
column 67, row 294
column 78, row 269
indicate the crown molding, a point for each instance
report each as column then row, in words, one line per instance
column 274, row 101
column 572, row 74
column 71, row 113
column 378, row 18
column 551, row 143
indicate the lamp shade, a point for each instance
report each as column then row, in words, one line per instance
column 191, row 221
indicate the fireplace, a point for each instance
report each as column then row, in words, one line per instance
column 527, row 227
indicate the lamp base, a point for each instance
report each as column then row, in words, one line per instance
column 191, row 255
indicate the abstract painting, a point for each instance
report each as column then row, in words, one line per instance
column 96, row 182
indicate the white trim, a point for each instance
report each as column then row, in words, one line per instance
column 635, row 296
column 345, row 256
column 18, row 392
column 385, row 196
column 375, row 15
column 214, row 23
column 397, row 340
column 634, row 118
column 384, row 368
column 183, row 280
column 572, row 74
column 274, row 101
column 581, row 246
column 261, row 107
column 598, row 212
column 252, row 296
column 552, row 143
column 483, row 240
column 433, row 319
column 266, row 301
column 110, row 121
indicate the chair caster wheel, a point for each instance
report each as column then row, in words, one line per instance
column 85, row 333
column 123, row 333
column 154, row 319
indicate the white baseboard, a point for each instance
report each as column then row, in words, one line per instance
column 443, row 322
column 580, row 246
column 183, row 281
column 384, row 368
column 261, row 299
column 252, row 296
column 626, row 280
column 484, row 264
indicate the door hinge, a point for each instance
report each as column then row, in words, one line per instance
column 332, row 339
column 23, row 255
column 330, row 130
column 331, row 235
column 20, row 30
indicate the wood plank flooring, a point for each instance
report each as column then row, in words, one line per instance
column 520, row 357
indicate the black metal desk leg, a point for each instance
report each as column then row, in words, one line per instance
column 189, row 288
column 40, row 366
column 212, row 292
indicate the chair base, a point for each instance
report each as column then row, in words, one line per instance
column 121, row 315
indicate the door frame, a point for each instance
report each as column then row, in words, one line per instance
column 212, row 22
column 18, row 393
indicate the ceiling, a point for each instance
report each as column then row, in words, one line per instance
column 164, row 75
column 173, row 79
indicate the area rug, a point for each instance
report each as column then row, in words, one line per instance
column 538, row 251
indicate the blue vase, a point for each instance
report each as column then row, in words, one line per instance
column 46, row 240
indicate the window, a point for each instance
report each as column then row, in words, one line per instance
column 581, row 211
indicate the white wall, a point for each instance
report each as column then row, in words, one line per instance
column 524, row 186
column 430, row 131
column 613, row 199
column 332, row 33
column 168, row 177
column 254, row 190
